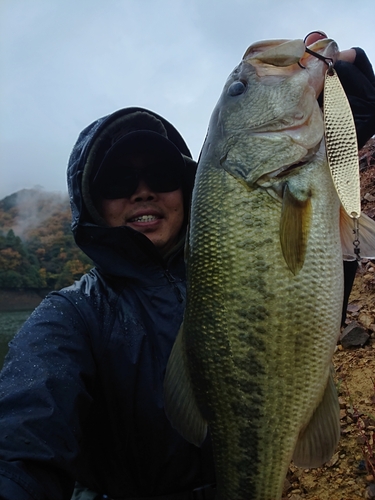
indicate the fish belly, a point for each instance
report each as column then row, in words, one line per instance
column 259, row 339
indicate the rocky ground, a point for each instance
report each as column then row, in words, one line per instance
column 350, row 475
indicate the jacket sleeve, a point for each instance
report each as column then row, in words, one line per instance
column 358, row 81
column 46, row 390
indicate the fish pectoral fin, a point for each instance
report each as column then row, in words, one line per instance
column 317, row 442
column 179, row 400
column 294, row 229
column 366, row 236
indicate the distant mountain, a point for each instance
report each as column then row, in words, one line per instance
column 37, row 249
column 27, row 209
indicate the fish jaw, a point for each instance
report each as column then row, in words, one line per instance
column 276, row 53
column 281, row 57
column 289, row 126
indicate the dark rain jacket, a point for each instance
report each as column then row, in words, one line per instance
column 81, row 392
column 358, row 81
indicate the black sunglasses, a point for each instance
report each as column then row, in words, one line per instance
column 124, row 182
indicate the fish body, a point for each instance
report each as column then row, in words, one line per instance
column 253, row 360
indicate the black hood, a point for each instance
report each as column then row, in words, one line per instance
column 116, row 250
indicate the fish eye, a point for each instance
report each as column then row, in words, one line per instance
column 236, row 88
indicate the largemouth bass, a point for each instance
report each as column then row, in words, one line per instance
column 253, row 359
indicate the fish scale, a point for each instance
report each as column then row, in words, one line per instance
column 261, row 342
column 253, row 359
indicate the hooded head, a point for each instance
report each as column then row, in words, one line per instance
column 97, row 169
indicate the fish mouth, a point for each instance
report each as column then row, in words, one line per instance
column 284, row 53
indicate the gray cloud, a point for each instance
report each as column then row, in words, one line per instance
column 64, row 64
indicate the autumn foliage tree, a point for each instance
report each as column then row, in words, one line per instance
column 37, row 249
column 18, row 268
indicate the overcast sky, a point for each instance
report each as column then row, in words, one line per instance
column 65, row 63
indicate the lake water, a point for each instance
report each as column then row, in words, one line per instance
column 10, row 323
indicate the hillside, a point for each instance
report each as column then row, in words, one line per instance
column 37, row 249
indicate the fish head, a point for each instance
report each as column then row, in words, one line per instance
column 279, row 57
column 268, row 117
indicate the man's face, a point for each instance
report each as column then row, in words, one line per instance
column 159, row 216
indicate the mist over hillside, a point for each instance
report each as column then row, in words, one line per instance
column 37, row 248
column 30, row 208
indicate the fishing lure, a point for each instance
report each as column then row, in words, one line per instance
column 341, row 145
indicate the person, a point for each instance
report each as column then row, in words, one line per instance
column 81, row 392
column 358, row 81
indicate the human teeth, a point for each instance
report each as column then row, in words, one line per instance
column 144, row 218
